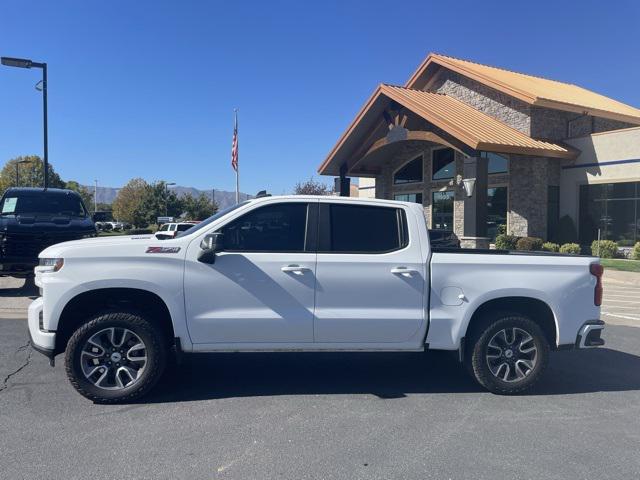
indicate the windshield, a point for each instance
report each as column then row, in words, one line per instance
column 62, row 204
column 212, row 218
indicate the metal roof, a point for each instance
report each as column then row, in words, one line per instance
column 531, row 89
column 471, row 127
column 474, row 128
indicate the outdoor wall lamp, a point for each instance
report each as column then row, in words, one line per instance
column 469, row 184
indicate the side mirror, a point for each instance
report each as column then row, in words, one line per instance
column 211, row 243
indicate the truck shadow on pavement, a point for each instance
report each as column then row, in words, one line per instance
column 385, row 375
column 28, row 289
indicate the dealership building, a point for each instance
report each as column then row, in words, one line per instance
column 480, row 146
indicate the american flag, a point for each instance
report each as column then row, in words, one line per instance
column 234, row 146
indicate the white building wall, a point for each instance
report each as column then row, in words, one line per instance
column 608, row 157
column 366, row 187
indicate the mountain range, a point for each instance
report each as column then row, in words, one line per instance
column 223, row 198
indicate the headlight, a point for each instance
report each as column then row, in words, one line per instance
column 51, row 264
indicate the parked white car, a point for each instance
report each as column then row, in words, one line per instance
column 304, row 273
column 171, row 230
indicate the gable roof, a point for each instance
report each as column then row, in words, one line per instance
column 473, row 128
column 533, row 90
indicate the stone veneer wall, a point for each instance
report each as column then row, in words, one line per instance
column 536, row 122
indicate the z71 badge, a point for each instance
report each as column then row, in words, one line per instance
column 163, row 249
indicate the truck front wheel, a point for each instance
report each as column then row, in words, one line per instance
column 507, row 353
column 115, row 357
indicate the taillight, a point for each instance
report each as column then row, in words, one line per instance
column 597, row 270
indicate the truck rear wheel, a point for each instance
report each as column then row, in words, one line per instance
column 115, row 357
column 508, row 353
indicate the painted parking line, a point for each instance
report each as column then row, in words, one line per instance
column 617, row 315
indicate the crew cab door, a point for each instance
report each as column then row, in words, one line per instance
column 260, row 290
column 370, row 275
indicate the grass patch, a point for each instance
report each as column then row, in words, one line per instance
column 620, row 264
column 111, row 233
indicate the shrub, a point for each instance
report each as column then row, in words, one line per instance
column 506, row 242
column 502, row 229
column 139, row 231
column 550, row 247
column 635, row 253
column 570, row 248
column 530, row 244
column 608, row 248
column 567, row 231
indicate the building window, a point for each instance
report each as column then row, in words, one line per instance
column 442, row 210
column 410, row 173
column 409, row 197
column 496, row 210
column 614, row 209
column 443, row 164
column 497, row 163
column 553, row 211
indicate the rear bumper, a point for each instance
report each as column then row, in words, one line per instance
column 42, row 341
column 589, row 335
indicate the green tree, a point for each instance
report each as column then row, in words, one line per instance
column 130, row 203
column 198, row 208
column 85, row 193
column 311, row 187
column 160, row 201
column 31, row 174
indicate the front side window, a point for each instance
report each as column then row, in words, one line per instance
column 409, row 197
column 365, row 229
column 443, row 164
column 272, row 228
column 410, row 173
column 442, row 210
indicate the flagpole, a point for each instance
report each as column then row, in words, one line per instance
column 238, row 161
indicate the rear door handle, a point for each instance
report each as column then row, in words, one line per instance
column 297, row 269
column 403, row 271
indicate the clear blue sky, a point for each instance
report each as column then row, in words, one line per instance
column 148, row 88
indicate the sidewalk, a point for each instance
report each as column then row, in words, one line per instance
column 15, row 298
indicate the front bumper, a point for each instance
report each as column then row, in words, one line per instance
column 17, row 266
column 42, row 340
column 589, row 335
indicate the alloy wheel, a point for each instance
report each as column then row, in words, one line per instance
column 113, row 358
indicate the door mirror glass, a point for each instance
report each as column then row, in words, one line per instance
column 211, row 243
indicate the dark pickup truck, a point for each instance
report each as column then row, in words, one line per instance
column 31, row 219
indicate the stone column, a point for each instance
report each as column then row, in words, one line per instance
column 475, row 206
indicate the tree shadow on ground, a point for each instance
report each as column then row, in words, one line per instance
column 28, row 289
column 385, row 375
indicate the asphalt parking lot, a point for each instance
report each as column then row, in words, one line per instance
column 329, row 415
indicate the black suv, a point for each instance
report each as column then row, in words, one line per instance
column 31, row 219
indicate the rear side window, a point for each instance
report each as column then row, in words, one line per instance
column 362, row 229
column 273, row 228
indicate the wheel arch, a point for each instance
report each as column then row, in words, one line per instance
column 83, row 306
column 536, row 309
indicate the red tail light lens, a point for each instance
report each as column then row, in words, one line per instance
column 597, row 270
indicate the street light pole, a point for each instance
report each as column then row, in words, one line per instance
column 166, row 197
column 18, row 163
column 42, row 86
column 95, row 197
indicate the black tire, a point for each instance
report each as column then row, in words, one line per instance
column 156, row 356
column 490, row 329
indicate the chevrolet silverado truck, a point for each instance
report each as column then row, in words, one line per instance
column 298, row 273
column 31, row 219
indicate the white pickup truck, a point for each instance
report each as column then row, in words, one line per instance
column 301, row 273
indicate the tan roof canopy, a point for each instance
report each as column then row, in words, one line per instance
column 469, row 126
column 530, row 89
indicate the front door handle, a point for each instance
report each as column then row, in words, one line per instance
column 297, row 269
column 403, row 271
